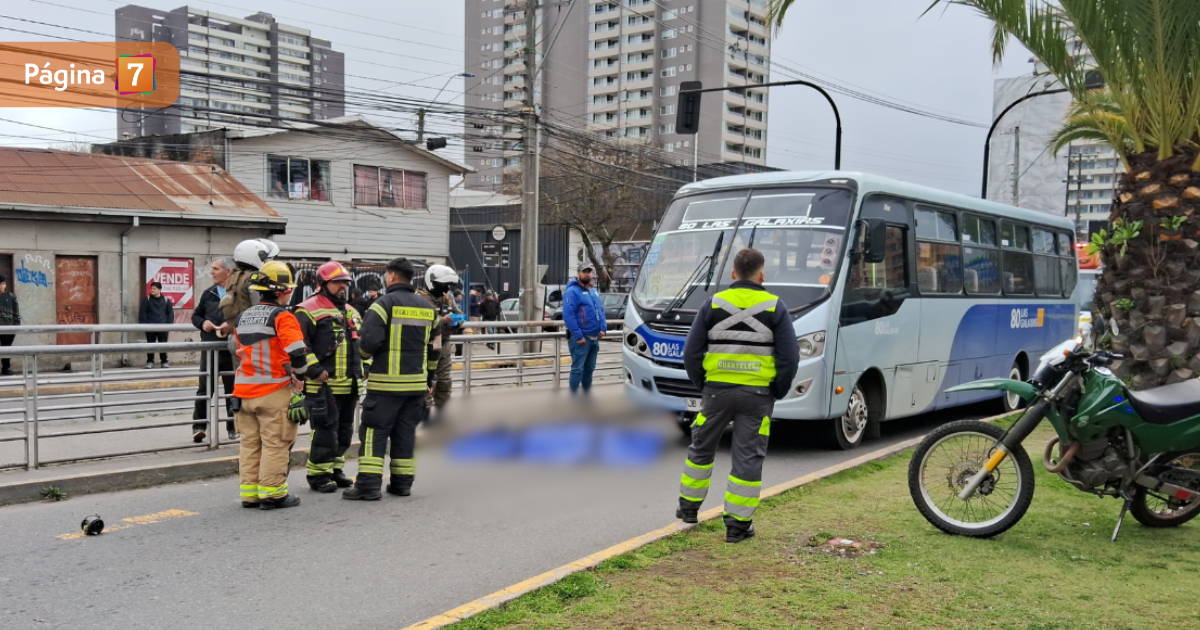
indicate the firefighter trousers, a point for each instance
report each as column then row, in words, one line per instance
column 266, row 448
column 383, row 418
column 749, row 409
column 331, row 434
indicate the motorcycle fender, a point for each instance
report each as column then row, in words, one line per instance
column 1023, row 390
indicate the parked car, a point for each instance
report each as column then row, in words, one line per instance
column 510, row 311
column 614, row 308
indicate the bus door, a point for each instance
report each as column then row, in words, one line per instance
column 880, row 322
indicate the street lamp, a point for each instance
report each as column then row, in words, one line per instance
column 421, row 111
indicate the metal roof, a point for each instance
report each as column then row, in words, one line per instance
column 63, row 181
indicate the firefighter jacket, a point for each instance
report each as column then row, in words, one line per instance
column 270, row 348
column 401, row 336
column 742, row 336
column 331, row 335
column 238, row 296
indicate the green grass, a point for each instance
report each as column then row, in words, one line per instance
column 53, row 493
column 1054, row 570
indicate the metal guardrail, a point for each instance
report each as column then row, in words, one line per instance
column 479, row 369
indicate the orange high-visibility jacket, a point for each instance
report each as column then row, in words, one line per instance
column 270, row 348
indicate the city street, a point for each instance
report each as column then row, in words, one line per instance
column 188, row 556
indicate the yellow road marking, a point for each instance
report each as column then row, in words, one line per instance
column 135, row 520
column 488, row 602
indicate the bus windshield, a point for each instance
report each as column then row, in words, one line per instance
column 800, row 232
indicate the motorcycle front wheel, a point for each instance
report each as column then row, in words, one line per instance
column 1156, row 510
column 950, row 456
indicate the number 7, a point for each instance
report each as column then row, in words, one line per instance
column 136, row 72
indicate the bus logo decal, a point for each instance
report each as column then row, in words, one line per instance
column 885, row 328
column 666, row 349
column 1022, row 318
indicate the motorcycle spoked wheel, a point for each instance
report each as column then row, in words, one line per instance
column 948, row 457
column 1155, row 510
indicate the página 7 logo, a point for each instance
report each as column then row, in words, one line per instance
column 62, row 77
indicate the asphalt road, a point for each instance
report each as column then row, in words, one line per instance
column 191, row 557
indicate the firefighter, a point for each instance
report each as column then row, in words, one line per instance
column 272, row 356
column 331, row 334
column 249, row 256
column 402, row 338
column 436, row 287
column 742, row 353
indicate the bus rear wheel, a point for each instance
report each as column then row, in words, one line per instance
column 848, row 431
column 1011, row 401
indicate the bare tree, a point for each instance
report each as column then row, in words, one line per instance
column 76, row 146
column 600, row 189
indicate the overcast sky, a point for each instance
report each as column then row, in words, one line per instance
column 410, row 48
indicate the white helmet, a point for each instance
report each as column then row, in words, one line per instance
column 439, row 279
column 272, row 248
column 253, row 252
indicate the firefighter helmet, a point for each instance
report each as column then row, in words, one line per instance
column 275, row 277
column 253, row 252
column 332, row 271
column 439, row 279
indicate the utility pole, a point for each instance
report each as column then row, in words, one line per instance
column 1016, row 166
column 420, row 125
column 531, row 307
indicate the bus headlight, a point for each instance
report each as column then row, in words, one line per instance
column 812, row 345
column 635, row 342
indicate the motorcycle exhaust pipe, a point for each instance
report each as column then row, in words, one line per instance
column 1061, row 466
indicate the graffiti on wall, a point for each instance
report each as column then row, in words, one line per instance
column 31, row 276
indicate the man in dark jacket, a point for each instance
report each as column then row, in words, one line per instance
column 490, row 309
column 364, row 301
column 209, row 320
column 742, row 353
column 156, row 309
column 583, row 314
column 10, row 315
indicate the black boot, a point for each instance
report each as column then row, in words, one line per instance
column 325, row 487
column 738, row 534
column 286, row 501
column 361, row 494
column 687, row 516
column 341, row 479
column 401, row 485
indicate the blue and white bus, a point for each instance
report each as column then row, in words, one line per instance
column 897, row 292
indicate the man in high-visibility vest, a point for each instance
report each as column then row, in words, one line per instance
column 400, row 335
column 742, row 353
column 271, row 357
column 331, row 334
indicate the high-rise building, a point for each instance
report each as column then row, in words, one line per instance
column 1080, row 183
column 236, row 72
column 613, row 68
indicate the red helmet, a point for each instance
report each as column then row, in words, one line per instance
column 331, row 271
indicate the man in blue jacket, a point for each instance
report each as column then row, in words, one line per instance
column 583, row 313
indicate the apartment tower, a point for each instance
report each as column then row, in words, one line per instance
column 613, row 68
column 237, row 72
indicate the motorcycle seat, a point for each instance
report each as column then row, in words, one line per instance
column 1167, row 404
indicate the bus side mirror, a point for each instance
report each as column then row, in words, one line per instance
column 874, row 240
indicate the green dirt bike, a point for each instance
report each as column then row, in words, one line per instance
column 973, row 478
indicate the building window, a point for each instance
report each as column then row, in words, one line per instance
column 666, row 128
column 389, row 188
column 669, row 33
column 667, row 53
column 668, row 72
column 667, row 91
column 297, row 178
column 666, row 110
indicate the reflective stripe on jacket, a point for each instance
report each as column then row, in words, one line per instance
column 270, row 348
column 332, row 339
column 401, row 337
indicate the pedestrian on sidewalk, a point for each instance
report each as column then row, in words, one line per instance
column 490, row 309
column 401, row 337
column 210, row 321
column 272, row 360
column 742, row 354
column 365, row 300
column 583, row 314
column 331, row 333
column 156, row 309
column 10, row 315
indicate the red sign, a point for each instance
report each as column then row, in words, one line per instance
column 1086, row 260
column 176, row 277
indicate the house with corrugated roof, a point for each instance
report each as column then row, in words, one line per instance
column 81, row 234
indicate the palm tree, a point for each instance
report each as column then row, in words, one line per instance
column 1148, row 54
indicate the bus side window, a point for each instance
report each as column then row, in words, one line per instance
column 877, row 290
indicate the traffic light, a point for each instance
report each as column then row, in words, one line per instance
column 687, row 120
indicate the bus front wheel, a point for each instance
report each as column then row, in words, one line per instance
column 848, row 431
column 1011, row 401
